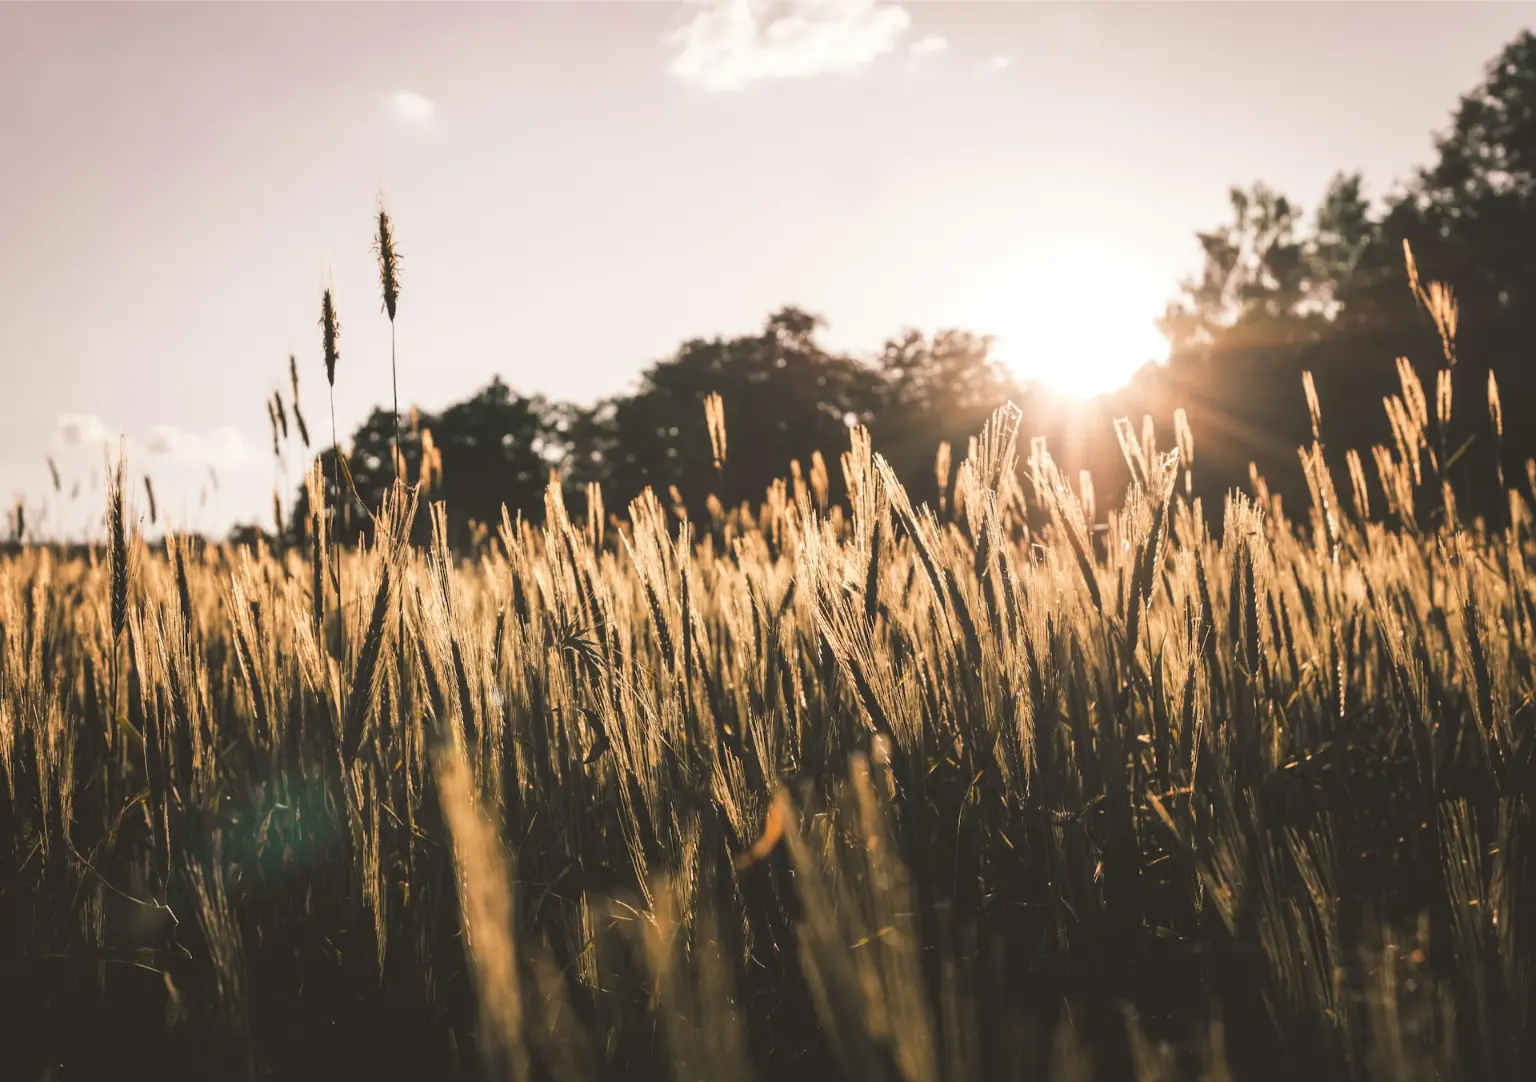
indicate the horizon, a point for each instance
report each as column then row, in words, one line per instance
column 579, row 189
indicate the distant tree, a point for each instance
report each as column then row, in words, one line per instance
column 495, row 448
column 1487, row 159
column 1262, row 282
column 1472, row 212
column 1344, row 229
column 936, row 390
column 249, row 535
column 785, row 396
column 1275, row 299
column 1278, row 293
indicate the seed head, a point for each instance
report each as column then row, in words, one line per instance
column 389, row 262
column 282, row 414
column 1313, row 407
column 298, row 414
column 431, row 461
column 941, row 469
column 714, row 418
column 330, row 331
column 277, row 449
column 117, row 545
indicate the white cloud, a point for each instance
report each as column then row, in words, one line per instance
column 993, row 65
column 731, row 43
column 226, row 446
column 408, row 107
column 928, row 46
column 82, row 430
column 166, row 440
column 221, row 447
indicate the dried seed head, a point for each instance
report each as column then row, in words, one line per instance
column 595, row 514
column 1413, row 268
column 714, row 418
column 1313, row 408
column 1357, row 483
column 298, row 419
column 277, row 449
column 821, row 483
column 117, row 545
column 1184, row 436
column 941, row 460
column 330, row 331
column 1131, row 450
column 149, row 490
column 1413, row 393
column 1495, row 409
column 1442, row 309
column 298, row 414
column 282, row 414
column 431, row 462
column 389, row 261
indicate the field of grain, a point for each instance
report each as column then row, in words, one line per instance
column 864, row 791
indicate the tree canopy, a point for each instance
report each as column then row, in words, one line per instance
column 1279, row 292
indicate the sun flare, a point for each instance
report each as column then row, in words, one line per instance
column 1080, row 330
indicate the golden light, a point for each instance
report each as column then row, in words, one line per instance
column 1080, row 329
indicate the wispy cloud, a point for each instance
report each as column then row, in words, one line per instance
column 928, row 46
column 83, row 430
column 994, row 65
column 222, row 447
column 409, row 107
column 730, row 44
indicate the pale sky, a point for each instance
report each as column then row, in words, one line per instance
column 580, row 187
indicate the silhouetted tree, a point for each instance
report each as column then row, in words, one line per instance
column 495, row 448
column 936, row 390
column 1273, row 302
column 785, row 396
column 1278, row 293
column 1264, row 282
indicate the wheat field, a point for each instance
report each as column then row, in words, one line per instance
column 863, row 790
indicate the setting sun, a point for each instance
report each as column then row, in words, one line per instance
column 1080, row 329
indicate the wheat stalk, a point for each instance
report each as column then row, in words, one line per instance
column 389, row 282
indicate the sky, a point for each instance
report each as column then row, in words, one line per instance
column 580, row 187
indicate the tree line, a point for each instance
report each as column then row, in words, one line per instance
column 1441, row 270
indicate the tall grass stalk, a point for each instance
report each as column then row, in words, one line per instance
column 389, row 284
